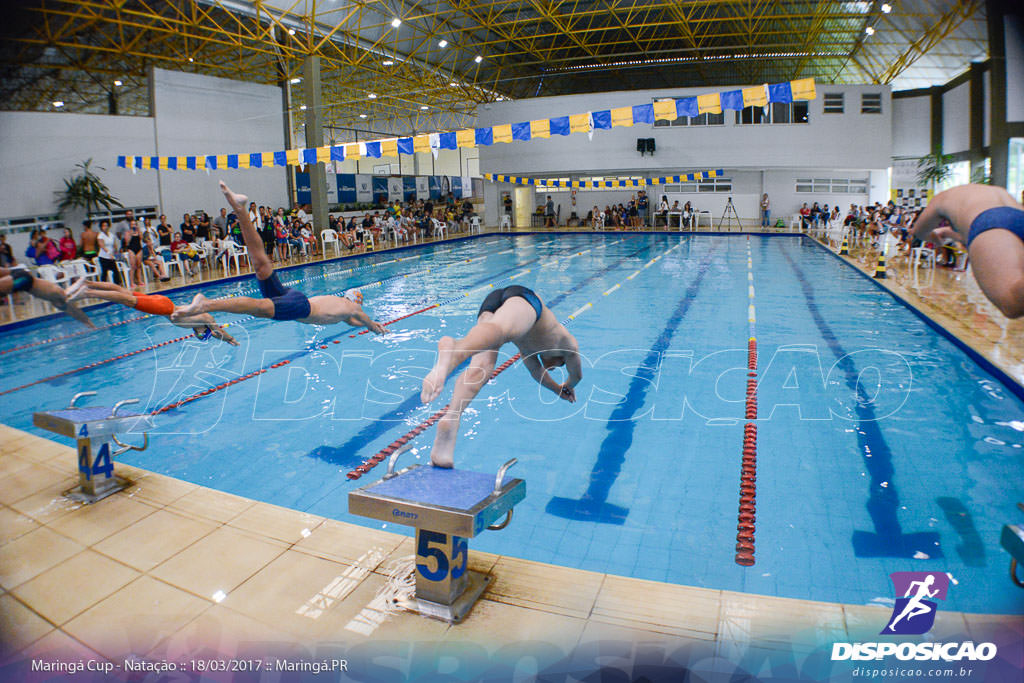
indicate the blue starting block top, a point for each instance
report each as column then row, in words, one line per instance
column 89, row 421
column 451, row 501
column 439, row 486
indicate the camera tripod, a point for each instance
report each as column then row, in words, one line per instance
column 728, row 215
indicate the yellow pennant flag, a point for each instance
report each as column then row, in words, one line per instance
column 389, row 148
column 465, row 138
column 222, row 161
column 420, row 143
column 502, row 133
column 323, row 154
column 665, row 110
column 540, row 129
column 182, row 163
column 803, row 89
column 163, row 163
column 709, row 104
column 622, row 117
column 579, row 123
column 352, row 151
column 291, row 157
column 755, row 97
column 267, row 158
column 243, row 161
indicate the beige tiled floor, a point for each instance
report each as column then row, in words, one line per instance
column 166, row 569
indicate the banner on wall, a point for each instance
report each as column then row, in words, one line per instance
column 380, row 189
column 434, row 184
column 467, row 186
column 666, row 109
column 303, row 192
column 396, row 191
column 456, row 186
column 409, row 188
column 422, row 187
column 347, row 188
column 364, row 188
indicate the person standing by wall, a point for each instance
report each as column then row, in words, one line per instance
column 549, row 213
column 108, row 253
column 766, row 210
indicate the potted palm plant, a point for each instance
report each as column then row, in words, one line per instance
column 85, row 191
column 933, row 168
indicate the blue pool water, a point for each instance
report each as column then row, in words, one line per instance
column 882, row 446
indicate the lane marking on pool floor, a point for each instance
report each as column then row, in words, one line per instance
column 745, row 524
column 256, row 373
column 404, row 442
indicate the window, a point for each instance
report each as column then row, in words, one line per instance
column 776, row 112
column 871, row 103
column 833, row 103
column 831, row 186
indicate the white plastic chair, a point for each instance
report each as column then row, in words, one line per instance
column 234, row 252
column 918, row 253
column 52, row 274
column 330, row 236
column 474, row 224
column 505, row 223
column 440, row 228
column 78, row 269
column 795, row 223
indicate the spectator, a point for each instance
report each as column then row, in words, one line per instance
column 68, row 248
column 151, row 258
column 221, row 222
column 663, row 210
column 186, row 251
column 766, row 212
column 42, row 249
column 108, row 251
column 805, row 217
column 642, row 206
column 163, row 232
column 549, row 213
column 188, row 230
column 689, row 215
column 6, row 253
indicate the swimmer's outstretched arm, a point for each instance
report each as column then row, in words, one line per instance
column 360, row 319
column 48, row 291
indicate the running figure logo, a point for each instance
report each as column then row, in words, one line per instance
column 914, row 612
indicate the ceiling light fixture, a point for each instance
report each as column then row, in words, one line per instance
column 870, row 30
column 58, row 103
column 190, row 60
column 388, row 62
column 372, row 96
column 424, row 107
column 396, row 22
column 454, row 84
column 442, row 43
column 478, row 59
column 886, row 8
column 302, row 108
column 362, row 116
column 295, row 80
column 117, row 83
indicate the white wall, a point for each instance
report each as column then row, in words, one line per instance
column 849, row 140
column 38, row 150
column 911, row 126
column 1014, row 36
column 205, row 115
column 956, row 119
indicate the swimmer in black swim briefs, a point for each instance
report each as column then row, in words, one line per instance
column 513, row 314
column 279, row 302
column 991, row 223
column 21, row 280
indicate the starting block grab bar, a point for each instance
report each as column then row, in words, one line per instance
column 95, row 429
column 446, row 507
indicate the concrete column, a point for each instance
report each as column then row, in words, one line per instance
column 976, row 152
column 998, row 137
column 936, row 123
column 315, row 138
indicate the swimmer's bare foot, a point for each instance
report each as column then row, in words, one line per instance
column 197, row 306
column 443, row 452
column 237, row 201
column 77, row 290
column 434, row 381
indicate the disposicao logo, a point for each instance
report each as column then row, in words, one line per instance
column 914, row 614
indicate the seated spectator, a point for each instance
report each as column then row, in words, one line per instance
column 805, row 217
column 153, row 259
column 689, row 215
column 41, row 249
column 6, row 253
column 188, row 252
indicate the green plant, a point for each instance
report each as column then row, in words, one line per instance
column 933, row 168
column 980, row 176
column 85, row 190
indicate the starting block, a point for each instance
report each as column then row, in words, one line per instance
column 447, row 507
column 95, row 429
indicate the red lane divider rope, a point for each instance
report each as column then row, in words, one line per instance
column 95, row 364
column 383, row 453
column 745, row 524
column 225, row 385
column 73, row 334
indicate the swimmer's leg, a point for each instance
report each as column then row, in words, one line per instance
column 997, row 258
column 242, row 305
column 261, row 263
column 514, row 319
column 467, row 387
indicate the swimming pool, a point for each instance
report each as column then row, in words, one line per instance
column 881, row 445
